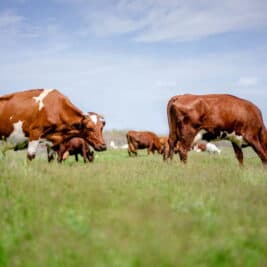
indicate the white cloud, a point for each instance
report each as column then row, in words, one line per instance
column 153, row 21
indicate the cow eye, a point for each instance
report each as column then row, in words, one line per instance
column 90, row 128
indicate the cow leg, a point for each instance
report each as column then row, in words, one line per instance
column 76, row 157
column 167, row 152
column 50, row 153
column 32, row 148
column 84, row 154
column 135, row 153
column 131, row 150
column 258, row 148
column 184, row 147
column 90, row 155
column 182, row 151
column 62, row 153
column 169, row 149
column 238, row 153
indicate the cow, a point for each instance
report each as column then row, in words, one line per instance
column 142, row 140
column 75, row 146
column 45, row 116
column 209, row 117
column 208, row 147
column 199, row 147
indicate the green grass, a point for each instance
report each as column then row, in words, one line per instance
column 130, row 212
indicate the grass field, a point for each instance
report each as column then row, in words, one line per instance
column 130, row 212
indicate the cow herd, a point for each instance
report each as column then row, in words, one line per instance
column 47, row 117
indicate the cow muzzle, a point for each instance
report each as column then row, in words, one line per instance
column 101, row 147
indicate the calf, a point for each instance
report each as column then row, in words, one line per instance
column 208, row 147
column 75, row 146
column 199, row 147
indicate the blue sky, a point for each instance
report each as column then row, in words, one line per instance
column 125, row 58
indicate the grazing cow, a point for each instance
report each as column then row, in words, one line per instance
column 142, row 140
column 75, row 146
column 213, row 117
column 47, row 116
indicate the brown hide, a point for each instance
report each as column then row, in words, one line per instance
column 56, row 120
column 218, row 115
column 76, row 146
column 96, row 135
column 142, row 140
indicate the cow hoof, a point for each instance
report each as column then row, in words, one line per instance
column 30, row 157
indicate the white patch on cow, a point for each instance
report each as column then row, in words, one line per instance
column 39, row 99
column 32, row 147
column 17, row 136
column 199, row 136
column 94, row 118
column 10, row 118
column 234, row 138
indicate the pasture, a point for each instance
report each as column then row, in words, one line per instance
column 130, row 212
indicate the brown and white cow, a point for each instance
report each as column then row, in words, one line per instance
column 216, row 116
column 206, row 147
column 41, row 115
column 142, row 140
column 199, row 147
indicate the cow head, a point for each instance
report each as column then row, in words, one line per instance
column 93, row 125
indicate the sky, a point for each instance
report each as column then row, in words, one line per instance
column 125, row 59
